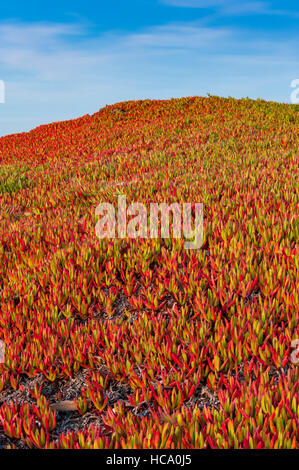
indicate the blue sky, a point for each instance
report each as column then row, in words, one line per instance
column 67, row 58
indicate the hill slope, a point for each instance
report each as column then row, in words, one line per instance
column 159, row 346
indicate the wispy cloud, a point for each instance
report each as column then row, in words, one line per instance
column 41, row 34
column 47, row 51
column 195, row 3
column 232, row 7
column 206, row 3
column 185, row 36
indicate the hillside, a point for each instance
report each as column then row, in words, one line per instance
column 141, row 343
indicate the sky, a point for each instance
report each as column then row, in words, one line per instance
column 63, row 59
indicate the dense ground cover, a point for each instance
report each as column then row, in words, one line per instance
column 141, row 343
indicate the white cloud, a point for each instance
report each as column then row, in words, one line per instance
column 223, row 4
column 48, row 51
column 28, row 34
column 232, row 7
column 196, row 3
column 178, row 36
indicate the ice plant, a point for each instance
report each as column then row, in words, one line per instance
column 173, row 348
